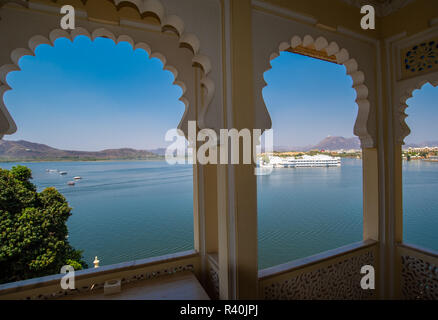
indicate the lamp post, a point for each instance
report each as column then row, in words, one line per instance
column 96, row 262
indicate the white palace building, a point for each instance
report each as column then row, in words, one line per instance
column 302, row 162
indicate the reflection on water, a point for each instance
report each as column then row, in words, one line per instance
column 124, row 210
column 420, row 203
column 304, row 211
column 127, row 210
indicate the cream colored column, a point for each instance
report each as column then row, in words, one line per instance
column 398, row 198
column 237, row 189
column 397, row 222
column 370, row 194
column 210, row 208
column 206, row 219
column 386, row 138
column 225, row 255
column 205, row 200
column 372, row 209
column 391, row 218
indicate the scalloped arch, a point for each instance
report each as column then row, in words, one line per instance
column 22, row 3
column 37, row 40
column 172, row 23
column 169, row 23
column 405, row 94
column 359, row 84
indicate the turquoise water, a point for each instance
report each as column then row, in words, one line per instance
column 420, row 203
column 124, row 210
column 304, row 211
column 127, row 210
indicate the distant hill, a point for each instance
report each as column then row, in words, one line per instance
column 341, row 143
column 421, row 144
column 159, row 151
column 338, row 143
column 28, row 151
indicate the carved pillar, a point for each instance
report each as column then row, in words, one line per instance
column 237, row 189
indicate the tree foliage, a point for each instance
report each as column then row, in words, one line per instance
column 33, row 231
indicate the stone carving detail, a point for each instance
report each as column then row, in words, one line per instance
column 419, row 279
column 420, row 58
column 338, row 281
column 96, row 286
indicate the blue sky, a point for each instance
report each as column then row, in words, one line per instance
column 93, row 96
column 96, row 95
column 308, row 100
column 423, row 115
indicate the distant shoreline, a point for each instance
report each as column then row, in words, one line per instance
column 77, row 160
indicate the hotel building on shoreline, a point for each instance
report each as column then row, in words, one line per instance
column 302, row 162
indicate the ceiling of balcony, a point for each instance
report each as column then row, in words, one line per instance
column 383, row 7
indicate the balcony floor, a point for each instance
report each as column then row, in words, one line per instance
column 180, row 286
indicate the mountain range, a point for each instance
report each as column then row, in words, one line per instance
column 421, row 144
column 329, row 143
column 341, row 143
column 29, row 151
column 25, row 150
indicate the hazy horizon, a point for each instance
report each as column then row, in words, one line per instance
column 88, row 96
column 419, row 143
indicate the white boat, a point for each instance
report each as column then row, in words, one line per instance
column 302, row 162
column 71, row 183
column 77, row 178
column 51, row 170
column 63, row 173
column 262, row 171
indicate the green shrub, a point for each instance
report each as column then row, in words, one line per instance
column 33, row 231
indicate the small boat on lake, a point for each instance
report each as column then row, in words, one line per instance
column 62, row 173
column 77, row 178
column 71, row 183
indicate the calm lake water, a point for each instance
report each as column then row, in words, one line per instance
column 128, row 210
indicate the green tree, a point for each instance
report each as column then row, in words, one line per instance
column 266, row 159
column 33, row 231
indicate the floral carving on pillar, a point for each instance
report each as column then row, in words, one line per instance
column 420, row 58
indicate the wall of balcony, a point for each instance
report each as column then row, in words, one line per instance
column 418, row 273
column 332, row 275
column 89, row 280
